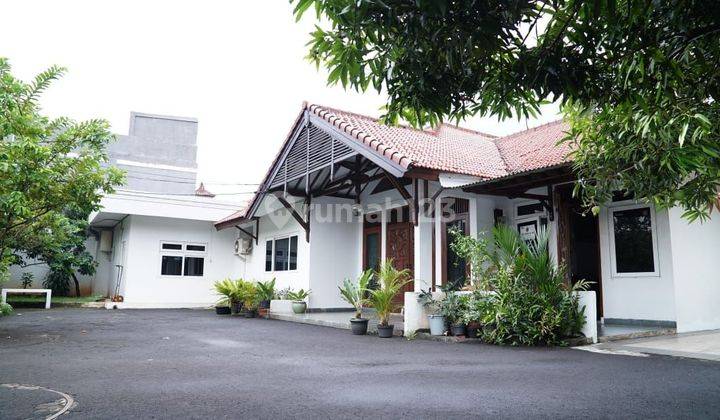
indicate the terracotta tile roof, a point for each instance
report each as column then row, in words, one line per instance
column 447, row 148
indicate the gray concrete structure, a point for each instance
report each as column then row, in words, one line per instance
column 159, row 154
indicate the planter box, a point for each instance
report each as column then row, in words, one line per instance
column 281, row 306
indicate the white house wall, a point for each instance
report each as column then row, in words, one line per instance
column 335, row 253
column 695, row 253
column 271, row 227
column 143, row 285
column 647, row 297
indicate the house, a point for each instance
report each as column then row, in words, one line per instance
column 153, row 239
column 345, row 192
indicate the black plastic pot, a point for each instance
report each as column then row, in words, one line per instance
column 249, row 313
column 265, row 304
column 235, row 308
column 385, row 331
column 222, row 310
column 458, row 329
column 359, row 326
column 473, row 330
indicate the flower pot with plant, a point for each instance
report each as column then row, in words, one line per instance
column 436, row 320
column 355, row 293
column 473, row 314
column 453, row 307
column 226, row 290
column 299, row 306
column 265, row 293
column 390, row 282
column 247, row 294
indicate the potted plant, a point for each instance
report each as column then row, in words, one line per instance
column 247, row 293
column 265, row 293
column 432, row 307
column 390, row 282
column 299, row 306
column 473, row 314
column 452, row 308
column 355, row 293
column 226, row 289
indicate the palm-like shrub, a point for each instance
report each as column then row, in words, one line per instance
column 355, row 292
column 246, row 292
column 226, row 289
column 390, row 282
column 531, row 302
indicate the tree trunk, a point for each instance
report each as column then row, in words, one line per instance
column 77, row 285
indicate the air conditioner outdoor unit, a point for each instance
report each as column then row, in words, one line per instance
column 243, row 246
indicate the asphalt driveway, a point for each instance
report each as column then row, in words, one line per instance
column 194, row 364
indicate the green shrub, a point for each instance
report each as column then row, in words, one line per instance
column 453, row 306
column 390, row 282
column 300, row 295
column 266, row 290
column 226, row 289
column 531, row 303
column 5, row 309
column 354, row 292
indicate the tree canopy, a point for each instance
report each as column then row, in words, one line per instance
column 52, row 176
column 638, row 80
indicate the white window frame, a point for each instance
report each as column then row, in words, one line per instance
column 535, row 217
column 611, row 235
column 272, row 261
column 183, row 252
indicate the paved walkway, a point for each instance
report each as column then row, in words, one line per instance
column 697, row 345
column 339, row 319
column 193, row 364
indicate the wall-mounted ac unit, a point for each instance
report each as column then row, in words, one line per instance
column 243, row 246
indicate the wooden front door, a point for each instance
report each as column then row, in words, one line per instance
column 400, row 248
column 578, row 242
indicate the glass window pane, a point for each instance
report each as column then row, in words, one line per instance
column 372, row 251
column 633, row 241
column 194, row 266
column 171, row 265
column 268, row 255
column 528, row 209
column 281, row 254
column 293, row 252
column 456, row 265
column 175, row 247
column 195, row 248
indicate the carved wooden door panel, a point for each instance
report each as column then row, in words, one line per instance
column 400, row 247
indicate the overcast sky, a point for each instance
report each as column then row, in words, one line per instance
column 237, row 66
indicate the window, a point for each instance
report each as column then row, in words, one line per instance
column 633, row 240
column 268, row 255
column 171, row 265
column 182, row 259
column 281, row 254
column 282, row 248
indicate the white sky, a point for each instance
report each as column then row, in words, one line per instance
column 237, row 66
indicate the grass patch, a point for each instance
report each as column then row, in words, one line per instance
column 16, row 298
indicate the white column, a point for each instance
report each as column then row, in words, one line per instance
column 423, row 249
column 473, row 214
column 438, row 241
column 383, row 235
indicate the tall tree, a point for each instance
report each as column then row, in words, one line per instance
column 52, row 174
column 638, row 80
